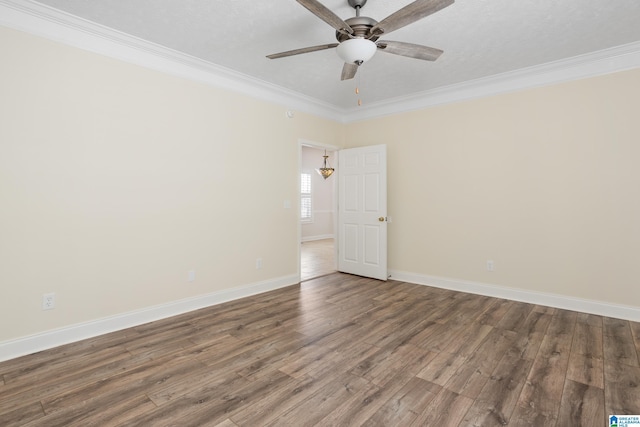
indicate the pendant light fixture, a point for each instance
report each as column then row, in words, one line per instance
column 325, row 171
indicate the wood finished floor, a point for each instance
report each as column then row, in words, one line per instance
column 338, row 351
column 317, row 258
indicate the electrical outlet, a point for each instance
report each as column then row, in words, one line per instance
column 490, row 266
column 48, row 301
column 258, row 263
column 191, row 275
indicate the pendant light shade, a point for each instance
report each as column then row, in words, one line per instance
column 325, row 171
column 356, row 51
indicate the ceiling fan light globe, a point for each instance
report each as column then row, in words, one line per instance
column 356, row 51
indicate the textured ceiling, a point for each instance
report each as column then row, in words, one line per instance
column 479, row 37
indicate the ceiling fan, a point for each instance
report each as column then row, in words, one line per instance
column 358, row 37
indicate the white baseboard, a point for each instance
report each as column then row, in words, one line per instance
column 532, row 297
column 319, row 237
column 54, row 338
column 50, row 339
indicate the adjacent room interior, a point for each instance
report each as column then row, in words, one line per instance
column 318, row 211
column 153, row 255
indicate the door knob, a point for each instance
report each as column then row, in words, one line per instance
column 381, row 219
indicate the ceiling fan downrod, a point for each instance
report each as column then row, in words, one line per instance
column 357, row 5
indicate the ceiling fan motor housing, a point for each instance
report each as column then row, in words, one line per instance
column 361, row 26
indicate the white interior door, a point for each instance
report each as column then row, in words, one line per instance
column 362, row 211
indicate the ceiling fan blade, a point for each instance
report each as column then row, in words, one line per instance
column 410, row 13
column 348, row 71
column 322, row 12
column 409, row 49
column 302, row 50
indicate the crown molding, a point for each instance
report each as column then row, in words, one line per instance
column 44, row 21
column 607, row 61
column 53, row 24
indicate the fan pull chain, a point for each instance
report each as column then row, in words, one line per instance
column 358, row 89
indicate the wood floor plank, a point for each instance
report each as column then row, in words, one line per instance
column 115, row 414
column 204, row 377
column 495, row 312
column 279, row 401
column 618, row 342
column 588, row 340
column 582, row 405
column 262, row 366
column 225, row 423
column 545, row 310
column 563, row 323
column 252, row 396
column 343, row 360
column 436, row 336
column 468, row 340
column 98, row 412
column 621, row 386
column 462, row 309
column 446, row 409
column 405, row 405
column 442, row 368
column 497, row 399
column 514, row 319
column 528, row 345
column 212, row 403
column 364, row 404
column 22, row 415
column 539, row 401
column 473, row 375
column 236, row 352
column 308, row 359
column 338, row 350
column 535, row 322
column 635, row 332
column 384, row 365
column 69, row 381
column 143, row 378
column 17, row 379
column 585, row 369
column 590, row 319
column 361, row 406
column 324, row 401
column 61, row 354
column 393, row 331
column 531, row 331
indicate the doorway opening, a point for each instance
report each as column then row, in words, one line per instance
column 318, row 212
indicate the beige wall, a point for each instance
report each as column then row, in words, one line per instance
column 116, row 180
column 544, row 182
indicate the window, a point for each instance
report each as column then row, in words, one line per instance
column 305, row 197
